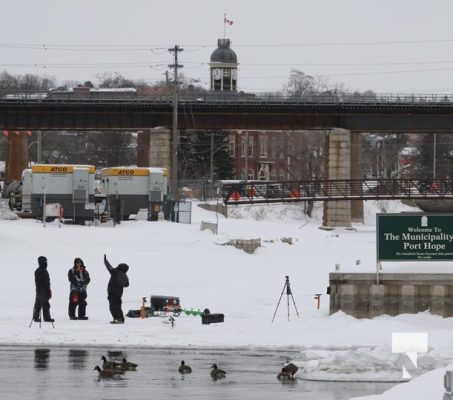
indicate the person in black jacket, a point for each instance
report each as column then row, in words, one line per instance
column 118, row 281
column 43, row 292
column 79, row 278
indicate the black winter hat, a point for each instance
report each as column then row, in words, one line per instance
column 42, row 261
column 123, row 267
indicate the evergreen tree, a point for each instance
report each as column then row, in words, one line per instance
column 195, row 152
column 431, row 145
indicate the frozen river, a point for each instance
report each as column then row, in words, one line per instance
column 56, row 372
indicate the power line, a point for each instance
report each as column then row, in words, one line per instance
column 139, row 64
column 163, row 47
column 174, row 165
column 160, row 49
column 85, row 65
column 358, row 64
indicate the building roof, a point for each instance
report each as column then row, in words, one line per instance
column 223, row 53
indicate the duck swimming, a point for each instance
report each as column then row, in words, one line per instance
column 184, row 369
column 108, row 373
column 109, row 364
column 291, row 369
column 285, row 376
column 127, row 365
column 217, row 373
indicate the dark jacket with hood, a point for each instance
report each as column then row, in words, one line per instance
column 42, row 279
column 79, row 280
column 118, row 278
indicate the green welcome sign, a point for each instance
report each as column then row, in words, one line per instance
column 414, row 237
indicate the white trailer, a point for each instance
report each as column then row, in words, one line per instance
column 72, row 186
column 26, row 190
column 129, row 189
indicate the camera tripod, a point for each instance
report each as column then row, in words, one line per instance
column 288, row 293
column 40, row 319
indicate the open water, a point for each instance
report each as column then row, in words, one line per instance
column 67, row 373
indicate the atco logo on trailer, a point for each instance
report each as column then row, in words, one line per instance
column 126, row 172
column 59, row 169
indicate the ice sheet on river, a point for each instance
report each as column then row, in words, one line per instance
column 366, row 364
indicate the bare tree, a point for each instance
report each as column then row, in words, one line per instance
column 300, row 84
column 26, row 82
column 114, row 80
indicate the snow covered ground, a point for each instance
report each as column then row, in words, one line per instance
column 200, row 268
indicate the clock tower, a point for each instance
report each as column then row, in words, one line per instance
column 223, row 68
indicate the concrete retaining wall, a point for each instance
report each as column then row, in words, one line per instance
column 360, row 295
column 209, row 226
column 220, row 208
column 248, row 245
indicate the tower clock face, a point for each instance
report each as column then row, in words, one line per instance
column 217, row 73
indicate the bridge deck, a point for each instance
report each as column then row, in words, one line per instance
column 256, row 192
column 377, row 113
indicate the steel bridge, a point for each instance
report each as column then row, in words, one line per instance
column 216, row 111
column 260, row 192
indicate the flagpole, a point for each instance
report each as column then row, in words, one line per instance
column 224, row 23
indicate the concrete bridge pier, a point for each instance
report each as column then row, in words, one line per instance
column 143, row 148
column 343, row 161
column 159, row 148
column 337, row 166
column 16, row 156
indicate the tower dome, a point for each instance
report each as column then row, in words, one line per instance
column 223, row 67
column 224, row 53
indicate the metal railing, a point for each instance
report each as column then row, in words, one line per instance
column 335, row 190
column 13, row 96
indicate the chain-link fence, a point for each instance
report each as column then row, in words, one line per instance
column 200, row 189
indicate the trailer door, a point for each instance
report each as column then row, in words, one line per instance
column 80, row 185
column 155, row 187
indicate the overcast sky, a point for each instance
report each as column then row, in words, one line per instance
column 382, row 45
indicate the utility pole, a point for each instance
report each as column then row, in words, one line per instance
column 175, row 136
column 211, row 160
column 39, row 148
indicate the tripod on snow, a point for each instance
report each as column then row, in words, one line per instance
column 288, row 293
column 40, row 317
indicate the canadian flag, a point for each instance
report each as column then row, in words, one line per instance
column 228, row 21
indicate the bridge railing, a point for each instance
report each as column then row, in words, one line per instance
column 228, row 97
column 332, row 190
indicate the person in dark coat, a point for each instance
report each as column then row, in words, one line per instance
column 118, row 281
column 43, row 292
column 79, row 278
